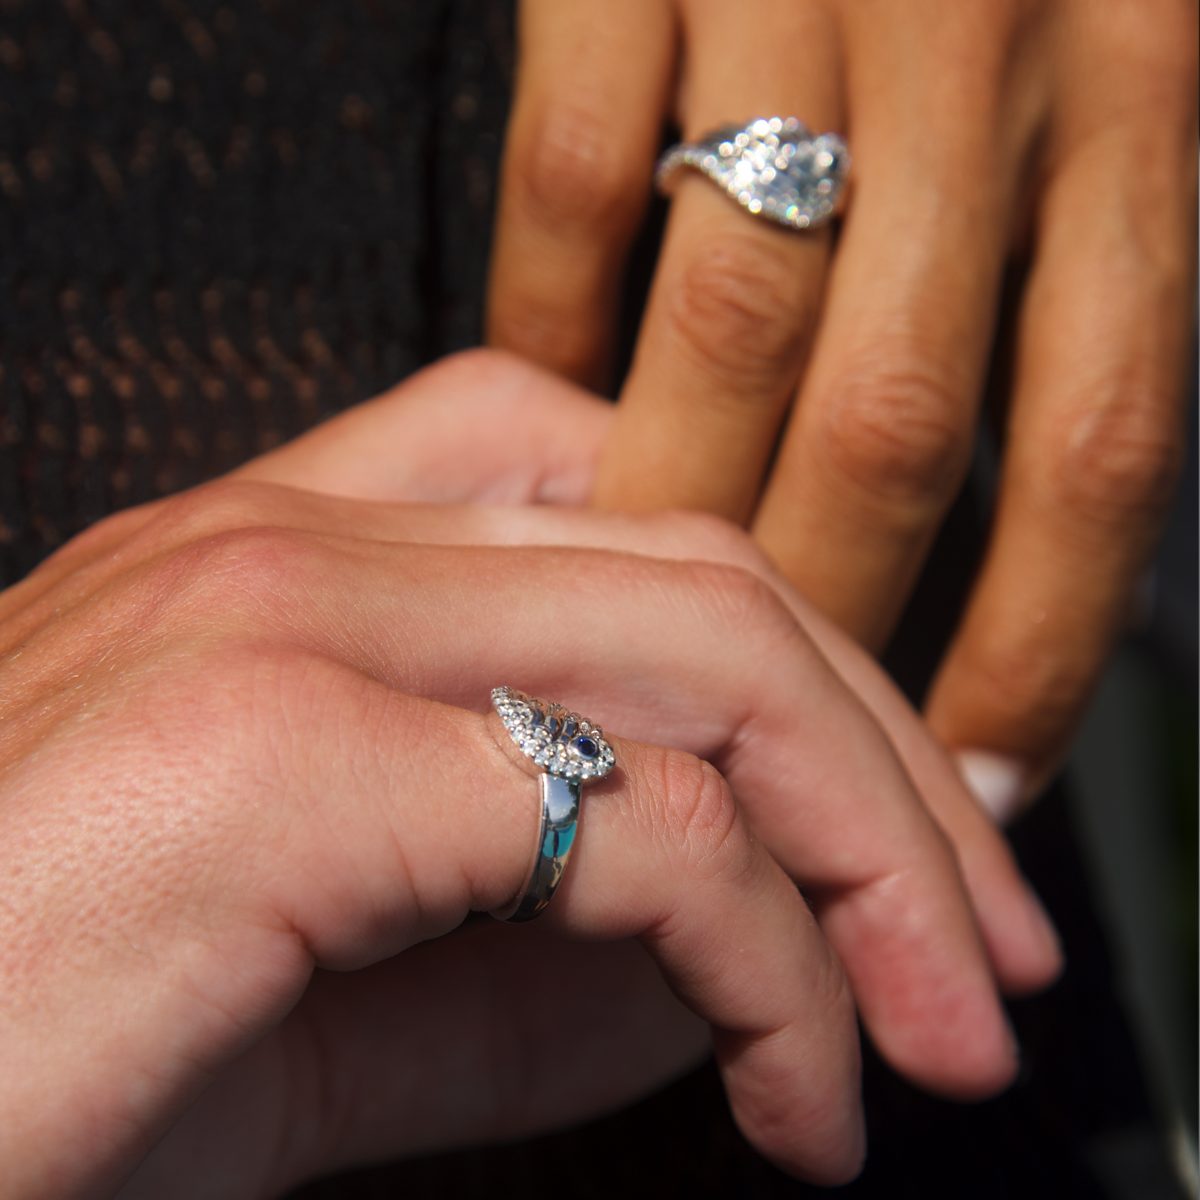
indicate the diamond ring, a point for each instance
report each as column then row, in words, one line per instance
column 774, row 168
column 570, row 751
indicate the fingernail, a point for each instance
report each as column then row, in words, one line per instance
column 996, row 781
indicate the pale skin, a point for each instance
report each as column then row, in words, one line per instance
column 825, row 393
column 248, row 794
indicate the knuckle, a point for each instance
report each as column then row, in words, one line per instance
column 484, row 385
column 247, row 574
column 222, row 505
column 702, row 822
column 1116, row 463
column 710, row 537
column 899, row 433
column 570, row 173
column 742, row 311
column 736, row 598
column 1027, row 691
column 463, row 375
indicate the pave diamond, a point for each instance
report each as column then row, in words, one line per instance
column 561, row 742
column 774, row 167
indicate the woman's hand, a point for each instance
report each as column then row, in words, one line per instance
column 1062, row 133
column 239, row 743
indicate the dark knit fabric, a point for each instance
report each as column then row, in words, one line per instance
column 222, row 220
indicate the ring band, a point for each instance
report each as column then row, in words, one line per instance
column 773, row 167
column 571, row 751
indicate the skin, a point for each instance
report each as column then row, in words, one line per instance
column 248, row 797
column 824, row 389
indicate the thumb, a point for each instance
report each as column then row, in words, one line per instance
column 480, row 425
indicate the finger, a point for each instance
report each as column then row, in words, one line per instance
column 880, row 438
column 592, row 93
column 1096, row 431
column 628, row 1034
column 734, row 299
column 492, row 1080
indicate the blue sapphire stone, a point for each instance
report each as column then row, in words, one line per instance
column 586, row 748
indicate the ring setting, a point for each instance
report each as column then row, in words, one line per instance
column 773, row 167
column 570, row 750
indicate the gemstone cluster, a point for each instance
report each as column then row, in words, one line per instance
column 559, row 741
column 773, row 167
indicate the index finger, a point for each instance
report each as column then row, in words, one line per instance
column 591, row 95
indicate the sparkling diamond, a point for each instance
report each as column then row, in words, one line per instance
column 562, row 742
column 777, row 168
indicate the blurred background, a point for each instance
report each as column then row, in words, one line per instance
column 1135, row 806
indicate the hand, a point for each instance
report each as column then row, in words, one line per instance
column 237, row 745
column 1060, row 133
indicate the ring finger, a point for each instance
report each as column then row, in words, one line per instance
column 735, row 299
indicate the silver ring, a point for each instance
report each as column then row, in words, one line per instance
column 774, row 168
column 570, row 751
